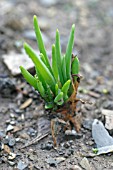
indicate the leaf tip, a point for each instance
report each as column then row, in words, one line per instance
column 73, row 26
column 57, row 31
column 34, row 17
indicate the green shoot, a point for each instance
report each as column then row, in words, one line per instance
column 53, row 81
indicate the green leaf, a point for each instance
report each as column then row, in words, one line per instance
column 41, row 67
column 54, row 63
column 49, row 105
column 29, row 78
column 64, row 69
column 65, row 89
column 42, row 58
column 48, row 92
column 58, row 56
column 69, row 49
column 41, row 89
column 59, row 99
column 75, row 67
column 40, row 42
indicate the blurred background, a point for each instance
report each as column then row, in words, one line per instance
column 93, row 37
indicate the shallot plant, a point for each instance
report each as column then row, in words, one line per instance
column 54, row 81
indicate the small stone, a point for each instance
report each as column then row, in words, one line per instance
column 76, row 167
column 12, row 142
column 37, row 166
column 61, row 153
column 66, row 145
column 108, row 114
column 12, row 115
column 48, row 146
column 17, row 139
column 70, row 142
column 108, row 105
column 6, row 140
column 11, row 163
column 12, row 122
column 8, row 121
column 11, row 156
column 87, row 124
column 55, row 161
column 32, row 132
column 22, row 165
column 14, row 60
column 1, row 146
column 18, row 111
column 2, row 135
column 68, row 132
column 101, row 135
column 10, row 128
column 60, row 159
column 24, row 135
column 33, row 157
column 73, row 133
column 85, row 164
column 7, row 86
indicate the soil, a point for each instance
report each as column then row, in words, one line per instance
column 93, row 44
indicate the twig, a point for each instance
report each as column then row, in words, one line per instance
column 35, row 140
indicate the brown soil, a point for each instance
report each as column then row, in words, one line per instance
column 93, row 43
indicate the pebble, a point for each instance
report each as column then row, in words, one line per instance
column 61, row 152
column 108, row 105
column 12, row 122
column 12, row 115
column 11, row 156
column 73, row 133
column 108, row 115
column 47, row 146
column 8, row 121
column 100, row 134
column 22, row 165
column 75, row 167
column 2, row 134
column 1, row 146
column 85, row 164
column 12, row 142
column 7, row 87
column 33, row 157
column 6, row 139
column 10, row 128
column 31, row 132
column 87, row 124
column 66, row 145
column 13, row 60
column 18, row 111
column 37, row 166
column 55, row 161
column 17, row 139
column 11, row 163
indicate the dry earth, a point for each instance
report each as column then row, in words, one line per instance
column 94, row 45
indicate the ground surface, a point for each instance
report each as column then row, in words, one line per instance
column 93, row 42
